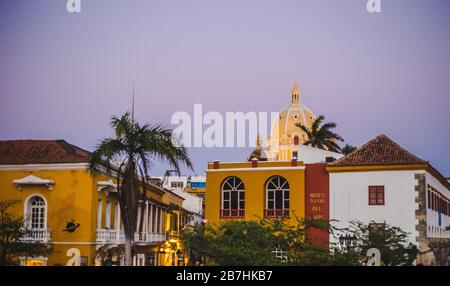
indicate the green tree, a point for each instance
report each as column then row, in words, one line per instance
column 347, row 149
column 321, row 135
column 134, row 147
column 390, row 240
column 11, row 230
column 256, row 243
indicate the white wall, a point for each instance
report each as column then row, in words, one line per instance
column 191, row 203
column 309, row 154
column 433, row 228
column 349, row 199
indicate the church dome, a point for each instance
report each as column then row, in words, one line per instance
column 258, row 153
column 285, row 129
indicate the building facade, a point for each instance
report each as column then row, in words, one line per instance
column 76, row 213
column 254, row 190
column 383, row 183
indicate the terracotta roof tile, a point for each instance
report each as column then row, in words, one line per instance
column 19, row 152
column 379, row 151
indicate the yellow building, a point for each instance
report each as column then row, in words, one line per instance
column 272, row 182
column 253, row 190
column 77, row 214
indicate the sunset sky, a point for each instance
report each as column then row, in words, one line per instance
column 62, row 75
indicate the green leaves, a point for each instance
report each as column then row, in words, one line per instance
column 347, row 149
column 252, row 243
column 11, row 229
column 321, row 135
column 135, row 147
column 390, row 240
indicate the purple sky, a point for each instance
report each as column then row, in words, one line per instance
column 63, row 75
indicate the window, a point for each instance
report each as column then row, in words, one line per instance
column 296, row 140
column 376, row 195
column 233, row 198
column 277, row 197
column 176, row 184
column 36, row 213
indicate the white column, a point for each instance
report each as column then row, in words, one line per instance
column 117, row 217
column 159, row 220
column 150, row 223
column 99, row 214
column 164, row 221
column 138, row 222
column 144, row 227
column 108, row 215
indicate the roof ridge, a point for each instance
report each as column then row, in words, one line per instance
column 365, row 155
column 399, row 146
column 354, row 152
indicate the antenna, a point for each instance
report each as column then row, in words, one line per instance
column 132, row 106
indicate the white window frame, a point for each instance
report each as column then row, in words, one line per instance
column 28, row 213
column 277, row 188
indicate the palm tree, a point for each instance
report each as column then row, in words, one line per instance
column 135, row 147
column 321, row 136
column 347, row 149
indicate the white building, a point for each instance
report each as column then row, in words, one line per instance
column 179, row 185
column 383, row 183
column 310, row 155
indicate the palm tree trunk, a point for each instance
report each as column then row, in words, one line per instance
column 128, row 243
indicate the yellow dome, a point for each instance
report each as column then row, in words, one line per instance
column 284, row 128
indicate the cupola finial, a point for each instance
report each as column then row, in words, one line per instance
column 295, row 93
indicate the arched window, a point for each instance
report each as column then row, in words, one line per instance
column 296, row 140
column 233, row 198
column 36, row 213
column 277, row 197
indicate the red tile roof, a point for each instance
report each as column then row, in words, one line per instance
column 379, row 151
column 19, row 152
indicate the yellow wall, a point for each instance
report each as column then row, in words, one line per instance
column 70, row 199
column 255, row 183
column 74, row 196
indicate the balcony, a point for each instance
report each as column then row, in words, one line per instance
column 36, row 235
column 276, row 213
column 113, row 236
column 110, row 236
column 232, row 213
column 148, row 238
